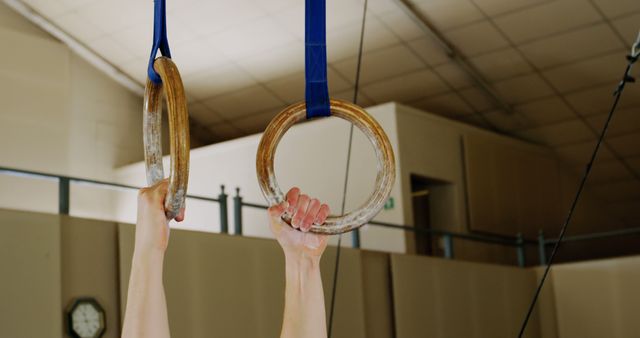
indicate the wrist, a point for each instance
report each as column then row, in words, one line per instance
column 301, row 259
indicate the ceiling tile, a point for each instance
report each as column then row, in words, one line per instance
column 583, row 74
column 347, row 95
column 447, row 14
column 429, row 51
column 406, row 87
column 76, row 25
column 109, row 16
column 380, row 64
column 243, row 40
column 501, row 64
column 523, row 88
column 477, row 38
column 401, row 25
column 624, row 121
column 380, row 7
column 580, row 153
column 111, row 50
column 255, row 123
column 225, row 131
column 345, row 42
column 48, row 8
column 607, row 171
column 544, row 111
column 136, row 40
column 615, row 8
column 558, row 134
column 136, row 69
column 495, row 7
column 598, row 100
column 291, row 88
column 216, row 81
column 449, row 104
column 453, row 74
column 619, row 191
column 203, row 114
column 292, row 20
column 477, row 98
column 212, row 17
column 236, row 105
column 275, row 6
column 193, row 57
column 628, row 27
column 344, row 12
column 275, row 63
column 505, row 121
column 548, row 18
column 626, row 145
column 571, row 46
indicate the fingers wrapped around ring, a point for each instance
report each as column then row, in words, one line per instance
column 300, row 211
column 312, row 211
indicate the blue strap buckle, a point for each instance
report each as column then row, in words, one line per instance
column 160, row 40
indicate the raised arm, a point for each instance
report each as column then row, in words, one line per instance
column 304, row 312
column 146, row 314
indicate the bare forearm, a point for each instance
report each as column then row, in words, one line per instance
column 146, row 314
column 304, row 311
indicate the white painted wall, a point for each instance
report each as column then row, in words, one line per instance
column 59, row 115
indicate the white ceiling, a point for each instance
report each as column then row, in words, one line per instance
column 555, row 61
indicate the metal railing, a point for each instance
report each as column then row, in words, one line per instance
column 518, row 242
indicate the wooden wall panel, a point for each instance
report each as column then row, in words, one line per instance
column 30, row 304
column 598, row 298
column 89, row 253
column 436, row 298
column 232, row 286
column 510, row 188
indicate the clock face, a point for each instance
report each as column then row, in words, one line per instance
column 86, row 319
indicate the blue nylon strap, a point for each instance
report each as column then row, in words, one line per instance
column 316, row 90
column 160, row 40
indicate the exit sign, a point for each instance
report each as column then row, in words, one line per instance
column 390, row 204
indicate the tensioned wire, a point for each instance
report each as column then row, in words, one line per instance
column 346, row 176
column 618, row 93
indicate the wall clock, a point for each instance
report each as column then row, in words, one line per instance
column 86, row 319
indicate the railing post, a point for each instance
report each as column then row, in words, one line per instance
column 522, row 259
column 224, row 218
column 63, row 195
column 542, row 248
column 237, row 212
column 448, row 246
column 355, row 238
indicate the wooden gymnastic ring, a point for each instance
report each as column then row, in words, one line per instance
column 368, row 125
column 173, row 91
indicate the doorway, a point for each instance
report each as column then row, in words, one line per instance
column 428, row 197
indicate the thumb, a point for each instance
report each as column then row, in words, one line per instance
column 277, row 210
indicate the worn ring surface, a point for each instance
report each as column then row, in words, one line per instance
column 373, row 131
column 173, row 90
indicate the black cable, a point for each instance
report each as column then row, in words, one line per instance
column 618, row 93
column 346, row 178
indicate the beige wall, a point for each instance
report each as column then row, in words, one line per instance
column 59, row 115
column 234, row 286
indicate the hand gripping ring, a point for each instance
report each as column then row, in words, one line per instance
column 354, row 114
column 173, row 90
